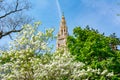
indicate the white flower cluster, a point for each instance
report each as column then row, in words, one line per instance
column 63, row 66
column 23, row 63
column 57, row 67
column 31, row 38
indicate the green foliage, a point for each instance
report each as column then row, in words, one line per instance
column 89, row 45
column 94, row 49
column 24, row 60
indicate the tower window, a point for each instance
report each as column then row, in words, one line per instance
column 64, row 30
column 58, row 45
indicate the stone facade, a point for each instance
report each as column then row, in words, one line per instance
column 62, row 34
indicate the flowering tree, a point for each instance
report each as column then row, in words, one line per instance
column 63, row 67
column 18, row 62
column 22, row 61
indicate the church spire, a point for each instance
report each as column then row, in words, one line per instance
column 62, row 34
column 63, row 22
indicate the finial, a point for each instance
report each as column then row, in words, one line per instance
column 62, row 13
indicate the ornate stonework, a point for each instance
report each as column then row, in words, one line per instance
column 62, row 34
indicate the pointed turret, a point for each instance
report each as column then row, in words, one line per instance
column 62, row 34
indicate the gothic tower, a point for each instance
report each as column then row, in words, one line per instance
column 62, row 34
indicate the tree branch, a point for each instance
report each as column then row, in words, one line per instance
column 13, row 11
column 16, row 5
column 10, row 13
column 9, row 32
column 12, row 20
column 10, row 37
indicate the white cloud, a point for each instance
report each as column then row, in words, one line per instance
column 59, row 8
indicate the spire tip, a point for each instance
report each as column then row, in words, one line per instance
column 62, row 13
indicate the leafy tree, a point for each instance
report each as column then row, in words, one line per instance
column 93, row 48
column 12, row 16
column 88, row 45
column 22, row 63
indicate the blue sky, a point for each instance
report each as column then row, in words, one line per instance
column 98, row 14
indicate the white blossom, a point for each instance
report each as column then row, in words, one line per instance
column 23, row 63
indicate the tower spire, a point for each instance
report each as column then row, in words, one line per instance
column 62, row 34
column 62, row 13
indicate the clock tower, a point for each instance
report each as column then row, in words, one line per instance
column 62, row 34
